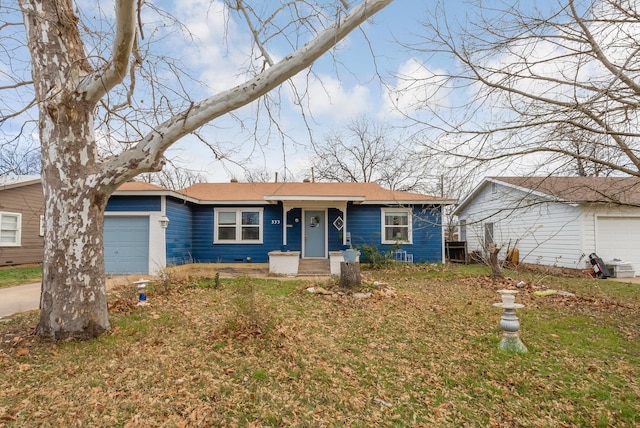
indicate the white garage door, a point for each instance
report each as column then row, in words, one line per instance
column 126, row 244
column 619, row 237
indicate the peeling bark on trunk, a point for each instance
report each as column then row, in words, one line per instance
column 74, row 299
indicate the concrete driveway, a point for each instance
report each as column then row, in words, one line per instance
column 19, row 299
column 26, row 297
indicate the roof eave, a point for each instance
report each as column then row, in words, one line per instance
column 410, row 202
column 20, row 184
column 289, row 198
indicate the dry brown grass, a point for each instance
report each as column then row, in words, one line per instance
column 264, row 352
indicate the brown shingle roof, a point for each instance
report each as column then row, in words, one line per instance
column 369, row 192
column 619, row 190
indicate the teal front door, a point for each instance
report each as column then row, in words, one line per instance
column 315, row 234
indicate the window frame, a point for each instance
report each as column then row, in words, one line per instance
column 238, row 225
column 462, row 230
column 409, row 226
column 18, row 239
column 489, row 233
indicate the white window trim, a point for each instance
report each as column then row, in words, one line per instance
column 238, row 211
column 18, row 241
column 409, row 212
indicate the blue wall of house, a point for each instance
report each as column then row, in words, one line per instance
column 206, row 251
column 179, row 233
column 294, row 229
column 133, row 203
column 190, row 231
column 365, row 222
column 335, row 235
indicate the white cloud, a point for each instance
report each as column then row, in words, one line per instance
column 416, row 87
column 327, row 97
column 213, row 45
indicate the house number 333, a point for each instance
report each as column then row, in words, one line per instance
column 275, row 221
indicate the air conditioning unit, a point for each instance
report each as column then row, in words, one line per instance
column 620, row 269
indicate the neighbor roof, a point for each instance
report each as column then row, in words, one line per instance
column 580, row 190
column 619, row 190
column 10, row 181
column 254, row 192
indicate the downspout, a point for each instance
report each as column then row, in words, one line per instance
column 442, row 234
column 284, row 225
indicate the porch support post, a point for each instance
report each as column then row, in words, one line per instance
column 343, row 209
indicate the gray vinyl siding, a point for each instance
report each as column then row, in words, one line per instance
column 544, row 231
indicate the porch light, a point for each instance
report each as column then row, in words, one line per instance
column 164, row 221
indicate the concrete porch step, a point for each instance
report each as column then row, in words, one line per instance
column 310, row 267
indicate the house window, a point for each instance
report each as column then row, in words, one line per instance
column 238, row 225
column 10, row 229
column 488, row 233
column 396, row 225
column 463, row 230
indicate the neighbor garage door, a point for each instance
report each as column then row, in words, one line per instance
column 126, row 244
column 619, row 237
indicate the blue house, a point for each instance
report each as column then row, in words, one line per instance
column 148, row 227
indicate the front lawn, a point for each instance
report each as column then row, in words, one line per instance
column 17, row 275
column 421, row 351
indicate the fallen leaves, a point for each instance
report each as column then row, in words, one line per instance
column 416, row 352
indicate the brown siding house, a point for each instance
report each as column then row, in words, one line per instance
column 21, row 209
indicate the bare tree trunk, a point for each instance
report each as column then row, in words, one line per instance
column 73, row 302
column 73, row 299
column 494, row 263
column 350, row 274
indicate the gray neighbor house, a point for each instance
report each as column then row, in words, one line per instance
column 555, row 221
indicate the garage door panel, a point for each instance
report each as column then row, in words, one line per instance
column 619, row 237
column 126, row 244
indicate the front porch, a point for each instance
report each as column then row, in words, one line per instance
column 314, row 267
column 290, row 263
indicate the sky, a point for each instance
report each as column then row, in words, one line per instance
column 358, row 82
column 336, row 95
column 212, row 46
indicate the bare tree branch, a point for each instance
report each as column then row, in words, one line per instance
column 102, row 81
column 148, row 153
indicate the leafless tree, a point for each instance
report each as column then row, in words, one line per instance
column 112, row 79
column 265, row 175
column 173, row 177
column 553, row 84
column 19, row 159
column 365, row 151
